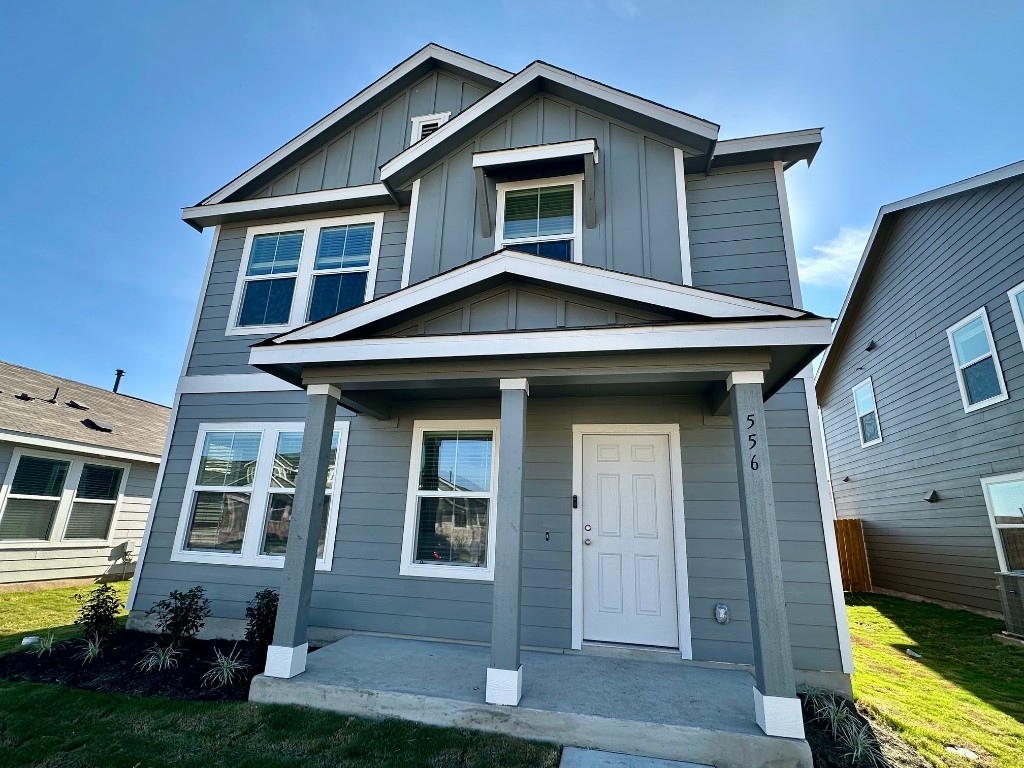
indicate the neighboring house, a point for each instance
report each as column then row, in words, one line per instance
column 922, row 393
column 78, row 466
column 513, row 314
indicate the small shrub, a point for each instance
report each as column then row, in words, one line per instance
column 97, row 614
column 92, row 649
column 225, row 670
column 261, row 613
column 858, row 745
column 182, row 614
column 830, row 709
column 159, row 658
column 45, row 645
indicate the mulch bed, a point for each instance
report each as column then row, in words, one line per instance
column 116, row 670
column 825, row 749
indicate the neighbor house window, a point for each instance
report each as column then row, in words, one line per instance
column 425, row 125
column 1004, row 498
column 542, row 218
column 303, row 272
column 977, row 366
column 52, row 499
column 449, row 530
column 1016, row 296
column 867, row 414
column 238, row 504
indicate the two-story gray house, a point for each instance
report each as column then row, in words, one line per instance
column 532, row 340
column 922, row 395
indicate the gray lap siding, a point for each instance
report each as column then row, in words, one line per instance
column 365, row 592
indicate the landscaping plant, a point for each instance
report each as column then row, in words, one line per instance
column 97, row 614
column 225, row 669
column 92, row 649
column 45, row 645
column 159, row 658
column 261, row 613
column 858, row 745
column 182, row 614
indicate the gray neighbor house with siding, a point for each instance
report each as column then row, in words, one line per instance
column 506, row 321
column 78, row 465
column 922, row 396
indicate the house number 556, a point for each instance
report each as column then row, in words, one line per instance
column 752, row 440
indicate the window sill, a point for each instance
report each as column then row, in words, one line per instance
column 985, row 403
column 17, row 544
column 221, row 558
column 873, row 442
column 446, row 572
column 258, row 330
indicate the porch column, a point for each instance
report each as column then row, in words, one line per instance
column 287, row 656
column 505, row 673
column 776, row 708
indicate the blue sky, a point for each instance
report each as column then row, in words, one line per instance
column 117, row 114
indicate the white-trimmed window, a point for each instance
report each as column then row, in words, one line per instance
column 449, row 518
column 304, row 271
column 978, row 372
column 868, row 427
column 1004, row 498
column 241, row 484
column 424, row 125
column 542, row 217
column 59, row 500
column 1016, row 296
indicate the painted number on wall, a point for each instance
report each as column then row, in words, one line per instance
column 752, row 441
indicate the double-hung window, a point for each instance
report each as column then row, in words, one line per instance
column 978, row 372
column 1004, row 498
column 449, row 526
column 54, row 499
column 541, row 217
column 238, row 504
column 867, row 414
column 304, row 271
column 1016, row 296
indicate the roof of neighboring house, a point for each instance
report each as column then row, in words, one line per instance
column 37, row 405
column 874, row 247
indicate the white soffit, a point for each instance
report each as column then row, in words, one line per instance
column 517, row 264
column 536, row 153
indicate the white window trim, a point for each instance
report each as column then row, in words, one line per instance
column 67, row 498
column 252, row 538
column 417, row 124
column 1013, row 294
column 407, row 566
column 305, row 272
column 985, row 483
column 958, row 365
column 856, row 410
column 576, row 180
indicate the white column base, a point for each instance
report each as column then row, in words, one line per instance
column 504, row 686
column 779, row 715
column 286, row 662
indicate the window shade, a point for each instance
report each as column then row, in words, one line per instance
column 286, row 460
column 99, row 482
column 275, row 254
column 538, row 212
column 229, row 459
column 456, row 461
column 27, row 519
column 89, row 520
column 39, row 477
column 344, row 247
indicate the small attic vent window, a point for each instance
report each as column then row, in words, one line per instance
column 99, row 426
column 424, row 125
column 78, row 405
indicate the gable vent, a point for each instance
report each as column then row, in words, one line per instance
column 428, row 128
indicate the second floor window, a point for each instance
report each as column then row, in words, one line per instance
column 977, row 365
column 867, row 414
column 542, row 218
column 303, row 272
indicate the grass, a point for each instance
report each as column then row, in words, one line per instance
column 47, row 726
column 50, row 610
column 966, row 690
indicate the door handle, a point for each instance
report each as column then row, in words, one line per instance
column 587, row 542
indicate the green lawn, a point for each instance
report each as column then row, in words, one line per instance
column 966, row 690
column 49, row 726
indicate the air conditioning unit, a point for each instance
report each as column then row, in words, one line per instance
column 1011, row 594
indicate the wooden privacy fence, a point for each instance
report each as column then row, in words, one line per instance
column 853, row 556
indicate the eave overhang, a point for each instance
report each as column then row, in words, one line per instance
column 789, row 148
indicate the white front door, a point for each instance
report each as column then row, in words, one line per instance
column 629, row 582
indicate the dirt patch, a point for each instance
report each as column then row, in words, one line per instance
column 117, row 671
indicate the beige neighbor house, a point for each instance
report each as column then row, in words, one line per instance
column 77, row 466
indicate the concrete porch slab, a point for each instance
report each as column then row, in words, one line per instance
column 674, row 712
column 574, row 757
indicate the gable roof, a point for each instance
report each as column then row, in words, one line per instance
column 884, row 221
column 414, row 66
column 697, row 133
column 507, row 263
column 137, row 426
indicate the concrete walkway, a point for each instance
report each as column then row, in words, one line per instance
column 573, row 757
column 668, row 711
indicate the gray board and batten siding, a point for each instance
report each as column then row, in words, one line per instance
column 68, row 561
column 941, row 262
column 365, row 592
